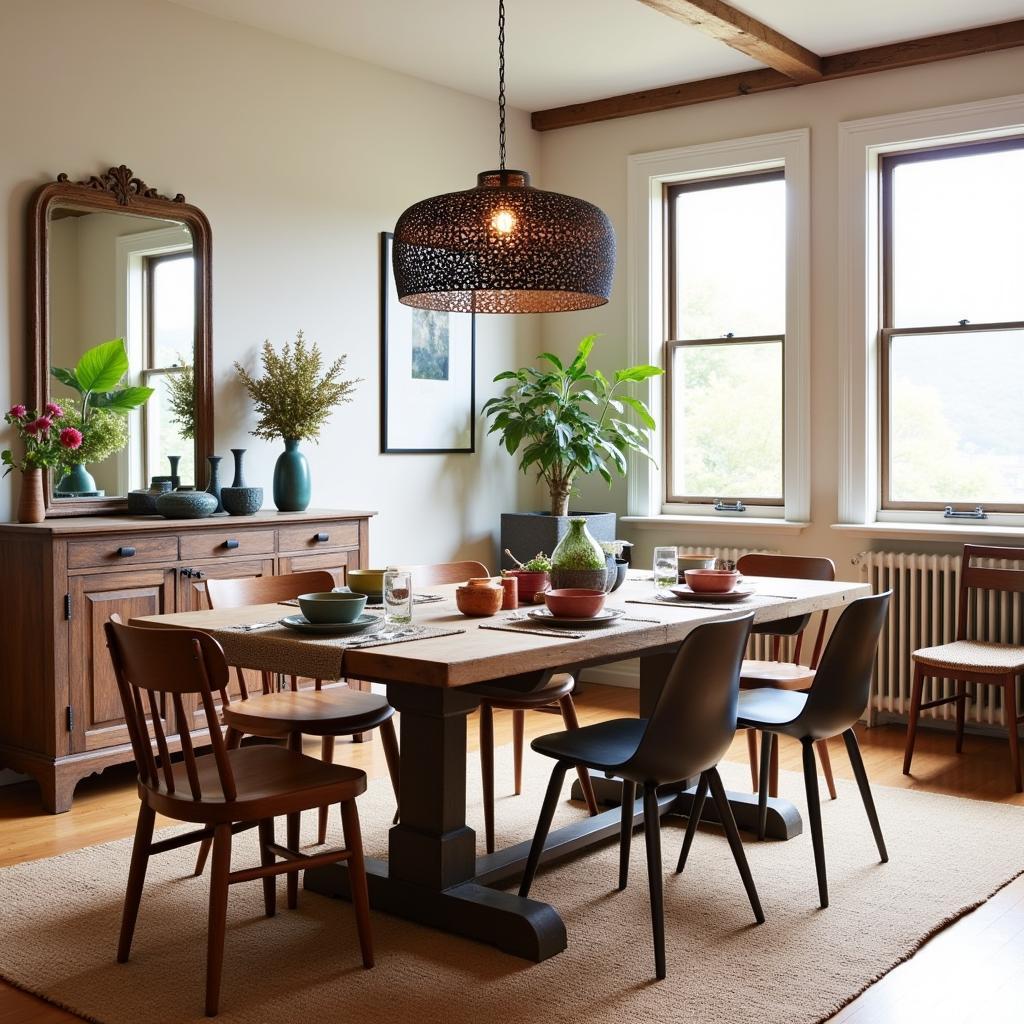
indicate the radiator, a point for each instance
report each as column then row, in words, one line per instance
column 922, row 613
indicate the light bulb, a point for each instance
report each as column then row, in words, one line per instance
column 504, row 222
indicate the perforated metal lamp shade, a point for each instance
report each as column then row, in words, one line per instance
column 504, row 247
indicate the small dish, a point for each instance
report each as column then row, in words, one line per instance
column 711, row 581
column 364, row 624
column 602, row 618
column 574, row 602
column 684, row 593
column 333, row 606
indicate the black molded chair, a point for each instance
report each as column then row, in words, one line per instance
column 689, row 730
column 835, row 701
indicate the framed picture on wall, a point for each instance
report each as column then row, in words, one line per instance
column 428, row 370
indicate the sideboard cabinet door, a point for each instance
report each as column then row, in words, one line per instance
column 96, row 716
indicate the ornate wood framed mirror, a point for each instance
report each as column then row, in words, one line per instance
column 109, row 257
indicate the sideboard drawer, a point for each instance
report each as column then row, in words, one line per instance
column 124, row 549
column 318, row 537
column 214, row 543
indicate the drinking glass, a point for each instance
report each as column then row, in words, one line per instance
column 397, row 598
column 666, row 568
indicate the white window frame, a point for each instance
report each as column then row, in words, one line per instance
column 648, row 173
column 862, row 144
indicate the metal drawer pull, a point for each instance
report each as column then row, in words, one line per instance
column 322, row 538
column 231, row 544
column 126, row 552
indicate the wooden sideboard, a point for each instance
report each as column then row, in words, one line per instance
column 60, row 712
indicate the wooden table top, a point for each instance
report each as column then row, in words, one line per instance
column 481, row 655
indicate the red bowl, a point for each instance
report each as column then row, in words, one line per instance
column 574, row 603
column 711, row 581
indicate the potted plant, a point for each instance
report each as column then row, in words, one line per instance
column 532, row 577
column 567, row 421
column 101, row 416
column 294, row 401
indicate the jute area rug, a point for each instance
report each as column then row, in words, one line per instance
column 59, row 920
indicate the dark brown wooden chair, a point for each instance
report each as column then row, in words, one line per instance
column 967, row 660
column 555, row 699
column 785, row 675
column 224, row 791
column 339, row 711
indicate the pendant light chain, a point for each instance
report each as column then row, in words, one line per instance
column 501, row 83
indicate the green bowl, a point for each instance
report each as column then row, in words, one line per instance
column 365, row 581
column 332, row 607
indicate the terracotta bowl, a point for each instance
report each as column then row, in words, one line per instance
column 479, row 600
column 530, row 583
column 711, row 581
column 574, row 603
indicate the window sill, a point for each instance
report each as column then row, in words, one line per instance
column 752, row 524
column 929, row 531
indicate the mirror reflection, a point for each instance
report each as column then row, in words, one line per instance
column 113, row 276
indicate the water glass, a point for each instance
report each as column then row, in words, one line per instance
column 666, row 567
column 397, row 597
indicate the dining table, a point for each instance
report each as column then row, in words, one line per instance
column 434, row 673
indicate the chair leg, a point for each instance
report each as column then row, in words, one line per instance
column 732, row 833
column 915, row 712
column 518, row 735
column 572, row 722
column 389, row 741
column 652, row 833
column 1010, row 711
column 487, row 771
column 696, row 810
column 773, row 769
column 220, row 868
column 136, row 880
column 769, row 741
column 826, row 767
column 232, row 741
column 626, row 830
column 326, row 755
column 961, row 712
column 292, row 830
column 267, row 858
column 752, row 757
column 814, row 813
column 857, row 762
column 547, row 812
column 357, row 878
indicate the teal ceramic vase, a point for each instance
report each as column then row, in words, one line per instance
column 77, row 480
column 291, row 479
column 578, row 560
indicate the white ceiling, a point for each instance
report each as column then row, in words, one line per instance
column 567, row 51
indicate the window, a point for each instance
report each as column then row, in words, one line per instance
column 951, row 343
column 726, row 260
column 169, row 325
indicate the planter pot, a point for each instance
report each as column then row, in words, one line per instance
column 529, row 584
column 291, row 479
column 526, row 533
column 30, row 502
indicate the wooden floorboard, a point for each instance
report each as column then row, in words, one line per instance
column 970, row 973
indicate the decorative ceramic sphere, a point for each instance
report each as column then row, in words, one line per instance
column 242, row 501
column 186, row 505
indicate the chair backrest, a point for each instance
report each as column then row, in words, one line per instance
column 793, row 567
column 978, row 577
column 238, row 593
column 694, row 719
column 444, row 572
column 154, row 669
column 842, row 684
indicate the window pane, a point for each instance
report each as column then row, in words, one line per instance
column 958, row 225
column 956, row 418
column 727, row 421
column 163, row 437
column 173, row 301
column 730, row 260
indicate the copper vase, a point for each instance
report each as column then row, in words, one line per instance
column 30, row 503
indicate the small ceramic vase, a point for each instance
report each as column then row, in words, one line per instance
column 242, row 501
column 213, row 487
column 480, row 598
column 175, row 479
column 239, row 455
column 291, row 479
column 30, row 502
column 77, row 480
column 578, row 561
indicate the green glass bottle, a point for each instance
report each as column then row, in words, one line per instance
column 578, row 560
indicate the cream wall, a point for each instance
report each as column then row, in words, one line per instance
column 590, row 161
column 299, row 157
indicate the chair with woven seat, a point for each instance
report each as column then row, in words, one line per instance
column 967, row 660
column 835, row 702
column 291, row 714
column 555, row 698
column 785, row 675
column 690, row 728
column 224, row 791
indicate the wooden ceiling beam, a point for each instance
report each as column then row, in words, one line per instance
column 908, row 53
column 744, row 33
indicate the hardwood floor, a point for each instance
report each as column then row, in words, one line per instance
column 983, row 953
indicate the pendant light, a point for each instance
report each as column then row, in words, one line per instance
column 504, row 246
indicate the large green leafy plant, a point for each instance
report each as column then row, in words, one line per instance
column 570, row 420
